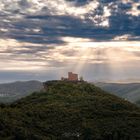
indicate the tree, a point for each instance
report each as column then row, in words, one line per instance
column 81, row 78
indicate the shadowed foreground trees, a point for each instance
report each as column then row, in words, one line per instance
column 70, row 111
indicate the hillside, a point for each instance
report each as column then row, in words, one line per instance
column 130, row 91
column 68, row 111
column 10, row 92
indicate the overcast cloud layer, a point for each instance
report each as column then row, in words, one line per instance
column 43, row 39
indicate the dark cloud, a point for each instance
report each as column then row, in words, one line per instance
column 79, row 2
column 138, row 7
column 53, row 27
column 24, row 4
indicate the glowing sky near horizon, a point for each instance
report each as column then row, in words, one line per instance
column 44, row 39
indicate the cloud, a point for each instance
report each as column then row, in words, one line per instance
column 134, row 11
column 63, row 35
column 42, row 20
column 79, row 51
column 126, row 37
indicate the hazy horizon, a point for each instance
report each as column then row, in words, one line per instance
column 128, row 81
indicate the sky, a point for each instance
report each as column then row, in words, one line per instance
column 44, row 39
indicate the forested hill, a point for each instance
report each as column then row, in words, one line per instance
column 70, row 111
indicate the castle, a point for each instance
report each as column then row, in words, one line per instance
column 71, row 77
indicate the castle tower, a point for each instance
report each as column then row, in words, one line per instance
column 72, row 76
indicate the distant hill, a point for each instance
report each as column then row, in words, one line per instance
column 130, row 91
column 12, row 91
column 70, row 111
column 138, row 102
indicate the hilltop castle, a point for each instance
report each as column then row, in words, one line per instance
column 71, row 77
